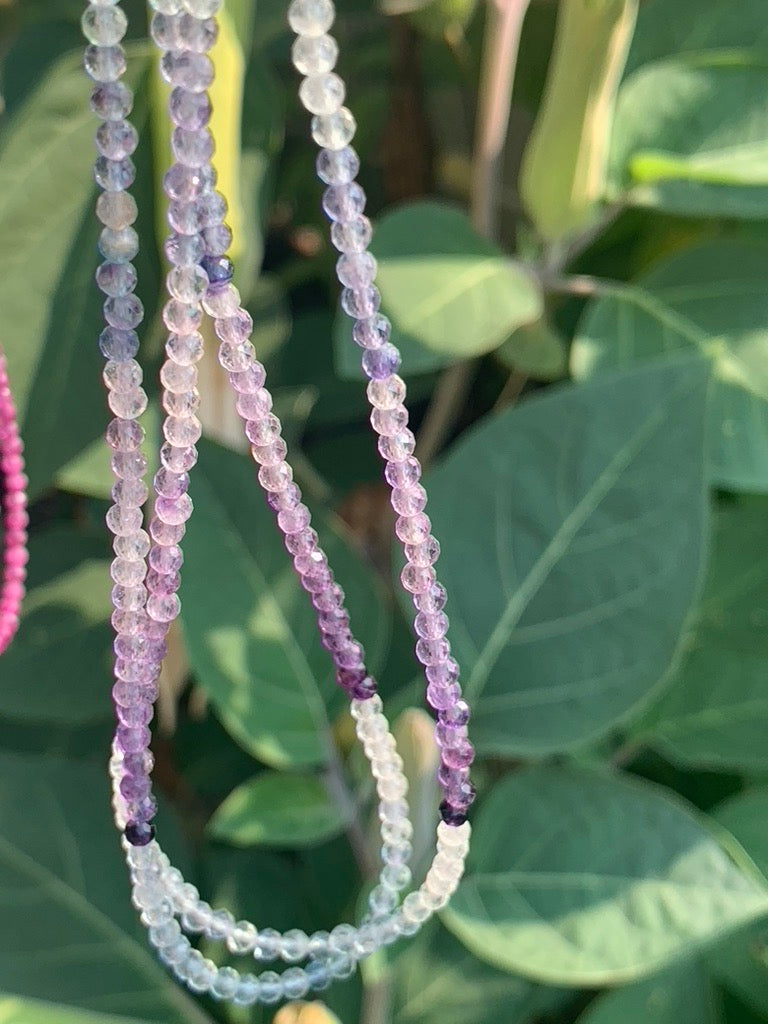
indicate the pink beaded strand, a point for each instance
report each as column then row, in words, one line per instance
column 14, row 513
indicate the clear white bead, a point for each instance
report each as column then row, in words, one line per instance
column 248, row 991
column 334, row 131
column 294, row 946
column 243, row 938
column 323, row 93
column 311, row 17
column 224, row 302
column 295, row 983
column 202, row 8
column 102, row 25
column 314, row 55
column 271, row 987
column 225, row 983
column 166, row 6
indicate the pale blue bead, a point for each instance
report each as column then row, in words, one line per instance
column 295, row 983
column 164, row 29
column 111, row 101
column 225, row 984
column 190, row 110
column 116, row 139
column 116, row 278
column 194, row 149
column 119, row 246
column 318, row 974
column 197, row 35
column 103, row 26
column 193, row 71
column 184, row 250
column 104, row 63
column 248, row 991
column 114, row 175
column 118, row 345
column 271, row 988
column 217, row 240
column 337, row 166
column 269, row 943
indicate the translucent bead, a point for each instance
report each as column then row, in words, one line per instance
column 166, row 6
column 318, row 974
column 323, row 94
column 184, row 318
column 235, row 329
column 372, row 333
column 217, row 239
column 182, row 183
column 184, row 250
column 225, row 983
column 104, row 63
column 179, row 459
column 417, row 580
column 124, row 312
column 334, row 131
column 197, row 34
column 187, row 284
column 182, row 431
column 199, row 972
column 202, row 8
column 116, row 210
column 271, row 988
column 118, row 345
column 398, row 447
column 134, row 547
column 116, row 139
column 184, row 403
column 310, row 17
column 396, row 876
column 313, row 55
column 356, row 270
column 193, row 71
column 389, row 422
column 295, row 983
column 235, row 356
column 342, row 938
column 346, row 202
column 337, row 167
column 248, row 991
column 360, row 303
column 193, row 148
column 128, row 405
column 174, row 510
column 119, row 246
column 111, row 101
column 185, row 349
column 103, row 25
column 114, row 175
column 224, row 302
column 351, row 236
column 382, row 900
column 269, row 944
column 163, row 608
column 177, row 378
column 164, row 29
column 243, row 938
column 401, row 474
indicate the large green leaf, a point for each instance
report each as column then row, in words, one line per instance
column 582, row 515
column 436, row 980
column 690, row 26
column 715, row 712
column 32, row 1011
column 446, row 289
column 691, row 136
column 48, row 233
column 277, row 809
column 711, row 299
column 249, row 626
column 57, row 670
column 589, row 878
column 682, row 995
column 69, row 932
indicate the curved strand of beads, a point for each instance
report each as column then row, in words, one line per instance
column 14, row 513
column 322, row 92
column 143, row 634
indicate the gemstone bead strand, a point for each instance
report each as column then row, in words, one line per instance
column 14, row 513
column 333, row 127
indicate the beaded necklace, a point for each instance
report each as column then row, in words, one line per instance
column 147, row 564
column 14, row 502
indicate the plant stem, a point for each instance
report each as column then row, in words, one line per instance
column 504, row 24
column 448, row 398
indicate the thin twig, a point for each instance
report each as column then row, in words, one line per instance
column 448, row 398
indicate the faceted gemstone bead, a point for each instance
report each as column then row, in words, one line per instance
column 192, row 71
column 451, row 816
column 187, row 284
column 334, row 131
column 389, row 423
column 372, row 333
column 457, row 714
column 111, row 101
column 443, row 675
column 114, row 175
column 203, row 8
column 360, row 303
column 103, row 25
column 183, row 318
column 352, row 235
column 337, row 166
column 310, row 17
column 116, row 139
column 381, row 362
column 194, row 149
column 218, row 269
column 139, row 833
column 235, row 329
column 182, row 431
column 211, row 209
column 417, row 580
column 402, row 474
column 119, row 246
column 182, row 183
column 312, row 55
column 442, row 698
column 425, row 553
column 116, row 209
column 164, row 29
column 184, row 250
column 356, row 269
column 217, row 239
column 179, row 459
column 104, row 63
column 123, row 312
column 346, row 202
column 322, row 93
column 197, row 34
column 128, row 405
column 117, row 344
column 177, row 379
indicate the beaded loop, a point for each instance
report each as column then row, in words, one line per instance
column 147, row 564
column 14, row 504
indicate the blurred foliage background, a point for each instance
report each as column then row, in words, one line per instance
column 578, row 280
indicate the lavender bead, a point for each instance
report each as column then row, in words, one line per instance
column 192, row 71
column 381, row 362
column 104, row 63
column 337, row 166
column 111, row 101
column 116, row 279
column 117, row 344
column 114, row 175
column 116, row 139
column 217, row 240
column 123, row 312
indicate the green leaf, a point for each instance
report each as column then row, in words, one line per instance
column 715, row 712
column 691, row 26
column 32, row 1011
column 436, row 980
column 444, row 287
column 58, row 669
column 67, row 900
column 277, row 809
column 51, row 308
column 682, row 995
column 711, row 299
column 582, row 515
column 537, row 350
column 746, row 818
column 250, row 628
column 588, row 878
column 691, row 136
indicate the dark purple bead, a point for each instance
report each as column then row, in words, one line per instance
column 139, row 833
column 219, row 270
column 456, row 714
column 365, row 689
column 450, row 815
